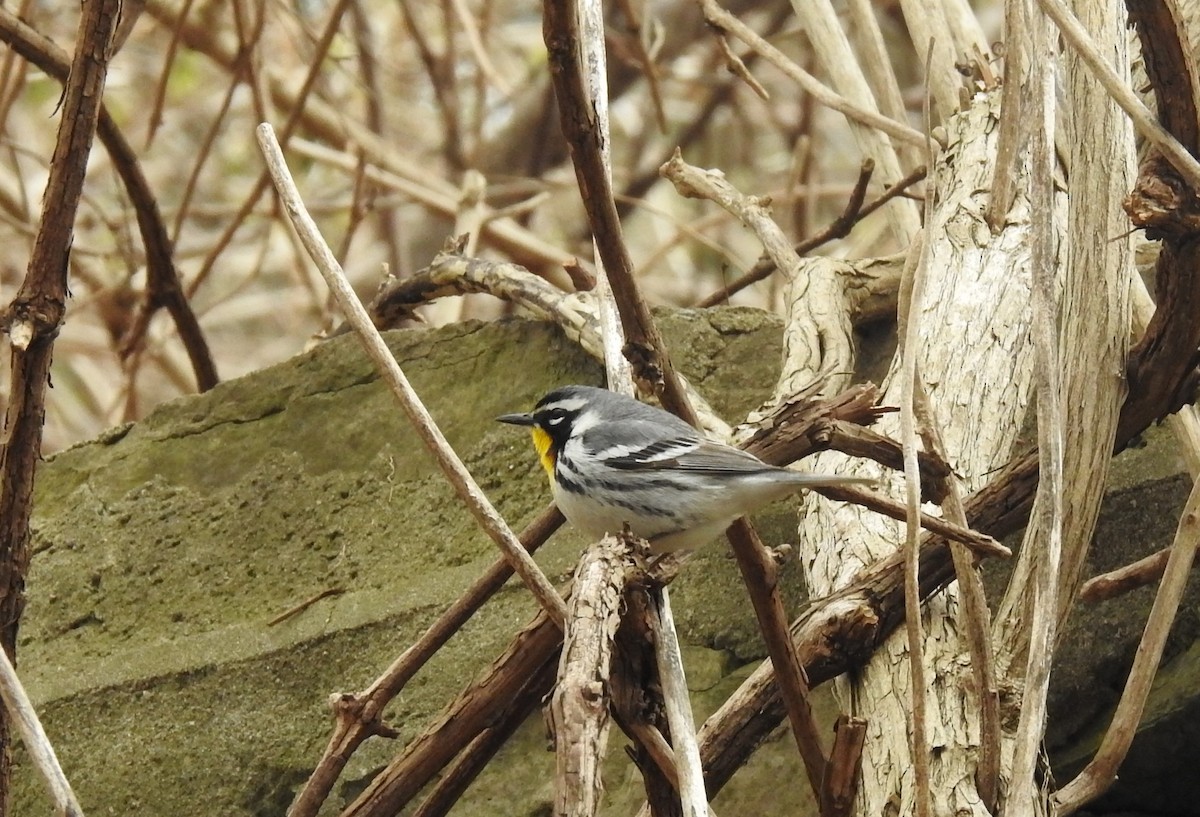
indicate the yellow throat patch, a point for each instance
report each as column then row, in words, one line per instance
column 543, row 444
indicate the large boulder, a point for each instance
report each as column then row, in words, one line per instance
column 164, row 550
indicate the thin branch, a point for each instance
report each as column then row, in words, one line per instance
column 21, row 712
column 1100, row 773
column 450, row 786
column 844, row 68
column 33, row 319
column 482, row 61
column 1044, row 537
column 503, row 233
column 1143, row 120
column 911, row 295
column 722, row 20
column 440, row 68
column 580, row 125
column 820, row 317
column 636, row 30
column 977, row 618
column 1144, row 571
column 332, row 26
column 297, row 609
column 458, row 475
column 840, row 227
column 735, row 66
column 163, row 283
column 760, row 573
column 872, row 53
column 1013, row 131
column 359, row 717
column 979, row 543
column 679, row 711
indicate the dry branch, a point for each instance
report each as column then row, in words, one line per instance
column 163, row 285
column 358, row 717
column 819, row 319
column 19, row 710
column 1100, row 773
column 1043, row 539
column 1167, row 142
column 840, row 227
column 33, row 319
column 577, row 116
column 912, row 292
column 693, row 798
column 722, row 21
column 579, row 706
column 760, row 573
column 1118, row 582
column 456, row 473
column 845, row 761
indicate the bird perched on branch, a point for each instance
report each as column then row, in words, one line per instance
column 614, row 461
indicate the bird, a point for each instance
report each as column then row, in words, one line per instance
column 614, row 461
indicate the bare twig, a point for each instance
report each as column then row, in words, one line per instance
column 163, row 284
column 450, row 785
column 261, row 184
column 458, row 475
column 979, row 543
column 911, row 294
column 838, row 228
column 516, row 676
column 580, row 125
column 1143, row 120
column 844, row 68
column 675, row 695
column 977, row 617
column 297, row 609
column 845, row 761
column 1100, row 773
column 1044, row 538
column 1013, row 132
column 441, row 69
column 819, row 319
column 482, row 60
column 1144, row 571
column 33, row 319
column 760, row 574
column 21, row 712
column 722, row 20
column 358, row 717
column 872, row 53
column 735, row 66
column 637, row 28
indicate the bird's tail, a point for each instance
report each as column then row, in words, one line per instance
column 803, row 479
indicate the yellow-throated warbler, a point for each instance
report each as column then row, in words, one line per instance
column 613, row 460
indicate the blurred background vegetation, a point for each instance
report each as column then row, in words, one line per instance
column 397, row 106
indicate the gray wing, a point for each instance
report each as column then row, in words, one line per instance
column 635, row 443
column 684, row 453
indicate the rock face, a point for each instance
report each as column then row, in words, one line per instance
column 164, row 549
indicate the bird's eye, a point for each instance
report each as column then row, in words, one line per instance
column 555, row 417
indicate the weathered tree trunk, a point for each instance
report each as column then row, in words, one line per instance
column 976, row 359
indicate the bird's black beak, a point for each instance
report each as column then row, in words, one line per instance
column 516, row 419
